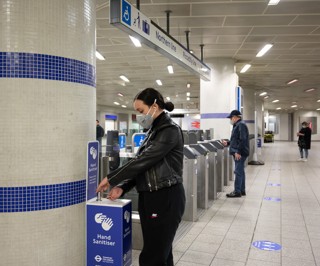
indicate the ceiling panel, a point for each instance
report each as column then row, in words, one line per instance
column 234, row 29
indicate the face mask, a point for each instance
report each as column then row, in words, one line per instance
column 145, row 120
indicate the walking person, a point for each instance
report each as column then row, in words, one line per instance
column 239, row 149
column 156, row 172
column 304, row 141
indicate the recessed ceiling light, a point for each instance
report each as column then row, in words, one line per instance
column 170, row 69
column 168, row 98
column 275, row 101
column 318, row 101
column 120, row 94
column 191, row 51
column 99, row 56
column 135, row 41
column 245, row 68
column 273, row 2
column 124, row 78
column 159, row 82
column 265, row 49
column 188, row 94
column 318, row 109
column 279, row 108
column 309, row 90
column 116, row 103
column 188, row 85
column 292, row 81
column 294, row 106
column 263, row 93
column 204, row 69
column 188, row 98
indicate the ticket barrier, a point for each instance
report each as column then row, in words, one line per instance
column 203, row 175
column 220, row 164
column 212, row 169
column 190, row 184
column 226, row 165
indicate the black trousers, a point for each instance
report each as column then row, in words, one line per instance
column 160, row 214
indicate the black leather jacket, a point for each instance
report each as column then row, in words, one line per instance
column 159, row 161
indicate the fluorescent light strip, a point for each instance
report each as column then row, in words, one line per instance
column 265, row 49
column 120, row 94
column 245, row 68
column 99, row 56
column 279, row 108
column 292, row 81
column 273, row 2
column 294, row 106
column 124, row 78
column 135, row 41
column 159, row 82
column 309, row 90
column 275, row 101
column 116, row 103
column 168, row 98
column 263, row 93
column 124, row 106
column 170, row 69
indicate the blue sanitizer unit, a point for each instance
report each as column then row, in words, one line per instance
column 109, row 233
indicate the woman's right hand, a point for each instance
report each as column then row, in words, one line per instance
column 103, row 186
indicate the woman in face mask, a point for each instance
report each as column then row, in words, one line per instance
column 156, row 172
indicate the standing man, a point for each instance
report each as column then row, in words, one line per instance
column 239, row 149
column 99, row 134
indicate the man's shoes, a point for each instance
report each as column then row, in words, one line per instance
column 300, row 159
column 234, row 194
column 305, row 160
column 243, row 193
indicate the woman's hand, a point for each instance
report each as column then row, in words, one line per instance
column 115, row 193
column 103, row 186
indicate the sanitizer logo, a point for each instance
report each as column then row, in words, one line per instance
column 93, row 153
column 106, row 223
column 126, row 216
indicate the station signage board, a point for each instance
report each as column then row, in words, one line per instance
column 131, row 20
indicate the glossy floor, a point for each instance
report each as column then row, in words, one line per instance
column 282, row 208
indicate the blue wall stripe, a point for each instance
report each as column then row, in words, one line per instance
column 36, row 198
column 214, row 115
column 42, row 66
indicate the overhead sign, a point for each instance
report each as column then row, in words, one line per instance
column 266, row 245
column 126, row 17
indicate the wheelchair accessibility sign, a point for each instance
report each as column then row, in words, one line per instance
column 126, row 13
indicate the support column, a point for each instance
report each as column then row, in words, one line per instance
column 47, row 116
column 218, row 97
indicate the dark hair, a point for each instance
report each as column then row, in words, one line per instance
column 304, row 123
column 97, row 120
column 149, row 95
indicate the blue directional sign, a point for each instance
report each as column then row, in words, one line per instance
column 126, row 12
column 272, row 199
column 138, row 139
column 274, row 185
column 266, row 245
column 122, row 141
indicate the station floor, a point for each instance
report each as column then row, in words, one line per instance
column 282, row 208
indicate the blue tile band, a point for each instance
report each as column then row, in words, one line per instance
column 42, row 66
column 36, row 198
column 214, row 115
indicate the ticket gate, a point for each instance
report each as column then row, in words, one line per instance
column 212, row 169
column 190, row 184
column 203, row 175
column 220, row 164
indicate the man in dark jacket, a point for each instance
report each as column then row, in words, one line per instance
column 304, row 141
column 99, row 133
column 239, row 149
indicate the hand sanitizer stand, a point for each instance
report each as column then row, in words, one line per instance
column 108, row 223
column 109, row 233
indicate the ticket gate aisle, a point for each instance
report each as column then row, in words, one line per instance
column 203, row 175
column 190, row 184
column 212, row 169
column 220, row 164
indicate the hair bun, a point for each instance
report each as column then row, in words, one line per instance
column 169, row 106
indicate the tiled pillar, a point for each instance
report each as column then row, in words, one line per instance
column 218, row 97
column 47, row 116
